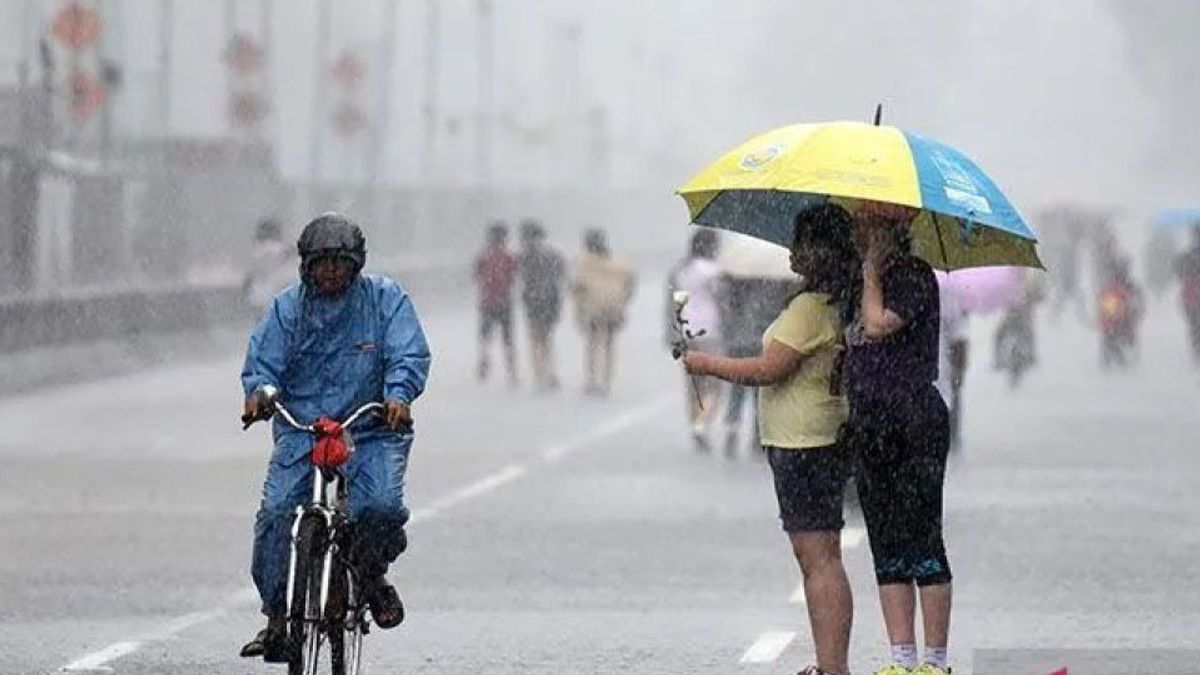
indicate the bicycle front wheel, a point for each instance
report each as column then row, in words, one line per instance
column 305, row 611
column 344, row 622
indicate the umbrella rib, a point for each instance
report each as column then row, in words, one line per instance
column 941, row 243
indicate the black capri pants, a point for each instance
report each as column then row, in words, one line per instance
column 900, row 443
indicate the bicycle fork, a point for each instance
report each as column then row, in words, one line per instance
column 318, row 506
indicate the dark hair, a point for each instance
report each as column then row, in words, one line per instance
column 497, row 232
column 532, row 230
column 595, row 241
column 828, row 228
column 704, row 244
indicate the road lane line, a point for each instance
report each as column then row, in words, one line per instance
column 768, row 647
column 96, row 661
column 477, row 489
column 613, row 426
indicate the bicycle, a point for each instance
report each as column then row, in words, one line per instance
column 324, row 602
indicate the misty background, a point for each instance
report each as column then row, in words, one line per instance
column 577, row 113
column 143, row 141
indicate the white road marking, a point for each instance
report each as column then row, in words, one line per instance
column 96, row 661
column 613, row 426
column 852, row 537
column 768, row 647
column 477, row 489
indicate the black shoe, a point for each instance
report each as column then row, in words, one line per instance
column 270, row 643
column 386, row 608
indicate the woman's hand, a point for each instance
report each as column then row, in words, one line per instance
column 878, row 245
column 697, row 363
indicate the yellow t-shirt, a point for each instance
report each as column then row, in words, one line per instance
column 802, row 411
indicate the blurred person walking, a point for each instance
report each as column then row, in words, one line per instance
column 543, row 272
column 1188, row 270
column 953, row 352
column 272, row 267
column 1014, row 344
column 801, row 414
column 748, row 305
column 495, row 279
column 699, row 275
column 900, row 433
column 1066, row 236
column 602, row 288
column 1120, row 310
column 757, row 280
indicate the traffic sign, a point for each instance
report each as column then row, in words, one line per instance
column 77, row 26
column 87, row 94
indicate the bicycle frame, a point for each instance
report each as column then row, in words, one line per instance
column 327, row 503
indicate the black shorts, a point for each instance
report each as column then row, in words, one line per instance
column 542, row 314
column 900, row 445
column 810, row 484
column 496, row 317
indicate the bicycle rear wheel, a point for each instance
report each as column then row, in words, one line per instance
column 305, row 615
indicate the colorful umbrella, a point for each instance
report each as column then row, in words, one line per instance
column 746, row 257
column 758, row 188
column 1182, row 217
column 984, row 289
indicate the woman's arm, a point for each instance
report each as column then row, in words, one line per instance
column 775, row 365
column 878, row 321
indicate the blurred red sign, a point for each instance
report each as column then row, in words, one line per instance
column 349, row 120
column 86, row 94
column 243, row 54
column 77, row 26
column 348, row 70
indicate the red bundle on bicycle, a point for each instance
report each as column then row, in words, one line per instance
column 331, row 450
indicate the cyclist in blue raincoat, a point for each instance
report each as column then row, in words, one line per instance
column 335, row 341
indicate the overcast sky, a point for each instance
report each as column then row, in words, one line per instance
column 1072, row 99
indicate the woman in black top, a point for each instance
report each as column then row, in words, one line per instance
column 899, row 429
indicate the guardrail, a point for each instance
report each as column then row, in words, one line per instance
column 96, row 315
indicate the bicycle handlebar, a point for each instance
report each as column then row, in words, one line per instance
column 291, row 420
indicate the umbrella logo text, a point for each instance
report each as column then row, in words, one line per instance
column 760, row 158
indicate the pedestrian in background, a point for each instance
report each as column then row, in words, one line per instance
column 543, row 274
column 700, row 277
column 272, row 267
column 1188, row 270
column 900, row 431
column 953, row 351
column 748, row 306
column 602, row 288
column 1120, row 309
column 495, row 279
column 801, row 414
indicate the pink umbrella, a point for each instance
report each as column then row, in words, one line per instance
column 983, row 289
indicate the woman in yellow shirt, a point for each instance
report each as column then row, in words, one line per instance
column 801, row 412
